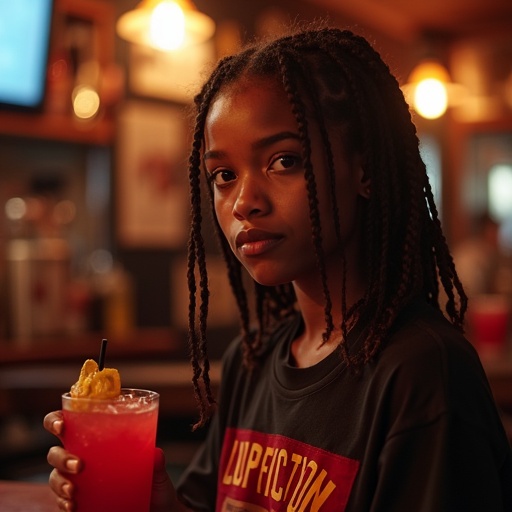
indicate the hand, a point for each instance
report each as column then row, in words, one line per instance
column 63, row 462
column 163, row 494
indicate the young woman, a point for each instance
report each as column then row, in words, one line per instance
column 351, row 388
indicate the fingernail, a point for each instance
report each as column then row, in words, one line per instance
column 57, row 426
column 66, row 490
column 72, row 465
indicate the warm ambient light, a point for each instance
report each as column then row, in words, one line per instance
column 429, row 90
column 86, row 102
column 430, row 98
column 165, row 24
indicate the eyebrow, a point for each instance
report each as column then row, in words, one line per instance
column 259, row 144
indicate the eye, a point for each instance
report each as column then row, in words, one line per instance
column 286, row 162
column 221, row 177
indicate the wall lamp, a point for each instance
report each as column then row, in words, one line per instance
column 430, row 91
column 165, row 24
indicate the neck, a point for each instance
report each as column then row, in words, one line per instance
column 309, row 348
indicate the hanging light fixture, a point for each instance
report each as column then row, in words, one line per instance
column 430, row 90
column 165, row 24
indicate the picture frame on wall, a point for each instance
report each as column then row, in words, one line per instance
column 151, row 176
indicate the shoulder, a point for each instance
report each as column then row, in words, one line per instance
column 423, row 337
column 428, row 368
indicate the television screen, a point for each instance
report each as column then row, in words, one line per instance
column 25, row 27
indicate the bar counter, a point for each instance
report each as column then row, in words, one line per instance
column 26, row 497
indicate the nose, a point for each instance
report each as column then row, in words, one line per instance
column 252, row 199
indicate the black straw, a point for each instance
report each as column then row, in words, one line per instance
column 101, row 362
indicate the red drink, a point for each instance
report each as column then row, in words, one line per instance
column 489, row 317
column 115, row 439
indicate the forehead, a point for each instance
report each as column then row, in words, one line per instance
column 255, row 102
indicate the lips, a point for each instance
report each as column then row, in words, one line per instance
column 254, row 242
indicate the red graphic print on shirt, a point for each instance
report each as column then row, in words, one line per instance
column 267, row 472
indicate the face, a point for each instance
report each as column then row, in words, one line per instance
column 253, row 158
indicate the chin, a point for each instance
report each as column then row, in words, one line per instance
column 268, row 278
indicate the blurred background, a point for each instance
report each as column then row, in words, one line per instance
column 95, row 119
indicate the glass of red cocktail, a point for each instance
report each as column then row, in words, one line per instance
column 115, row 439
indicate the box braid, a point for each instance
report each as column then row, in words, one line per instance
column 335, row 79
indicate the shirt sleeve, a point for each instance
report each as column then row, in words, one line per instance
column 443, row 466
column 445, row 447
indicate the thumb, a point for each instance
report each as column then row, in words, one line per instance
column 163, row 494
column 160, row 476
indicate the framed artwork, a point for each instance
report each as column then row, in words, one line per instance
column 151, row 176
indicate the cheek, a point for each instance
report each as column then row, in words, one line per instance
column 223, row 213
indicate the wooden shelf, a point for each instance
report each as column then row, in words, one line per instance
column 157, row 344
column 36, row 390
column 33, row 377
column 57, row 127
column 64, row 127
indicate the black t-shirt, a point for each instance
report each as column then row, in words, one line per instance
column 416, row 430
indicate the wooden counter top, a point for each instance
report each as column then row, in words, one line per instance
column 26, row 497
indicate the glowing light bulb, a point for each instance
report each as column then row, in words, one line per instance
column 15, row 208
column 430, row 98
column 86, row 102
column 167, row 26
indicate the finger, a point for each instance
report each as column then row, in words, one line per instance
column 159, row 469
column 163, row 495
column 53, row 422
column 64, row 461
column 60, row 485
column 66, row 505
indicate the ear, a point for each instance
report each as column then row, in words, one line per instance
column 365, row 189
column 364, row 183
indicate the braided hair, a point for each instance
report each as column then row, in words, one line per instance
column 336, row 77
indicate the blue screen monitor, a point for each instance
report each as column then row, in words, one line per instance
column 25, row 29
